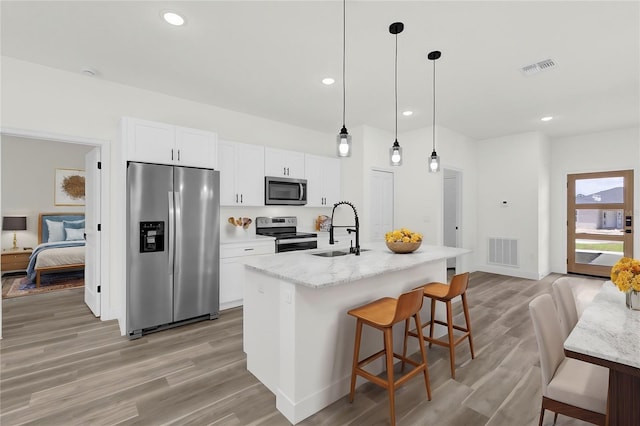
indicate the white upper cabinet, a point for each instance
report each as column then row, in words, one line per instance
column 161, row 143
column 323, row 180
column 241, row 174
column 195, row 148
column 281, row 162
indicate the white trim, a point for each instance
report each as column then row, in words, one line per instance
column 105, row 151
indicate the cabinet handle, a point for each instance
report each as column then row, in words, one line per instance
column 236, row 198
column 172, row 155
column 288, row 172
column 284, row 171
column 178, row 155
column 241, row 200
column 248, row 249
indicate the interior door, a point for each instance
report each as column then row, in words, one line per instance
column 600, row 221
column 92, row 235
column 451, row 212
column 381, row 194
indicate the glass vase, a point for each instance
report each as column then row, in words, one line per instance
column 633, row 300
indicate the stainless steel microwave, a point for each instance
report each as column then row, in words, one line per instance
column 281, row 191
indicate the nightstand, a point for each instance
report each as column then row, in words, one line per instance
column 15, row 260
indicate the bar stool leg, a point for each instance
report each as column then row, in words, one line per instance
column 433, row 316
column 356, row 354
column 423, row 353
column 388, row 347
column 452, row 347
column 406, row 337
column 468, row 321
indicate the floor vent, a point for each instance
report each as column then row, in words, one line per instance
column 531, row 69
column 503, row 251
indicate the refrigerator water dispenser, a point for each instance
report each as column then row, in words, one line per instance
column 151, row 237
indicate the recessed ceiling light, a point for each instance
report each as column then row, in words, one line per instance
column 328, row 81
column 407, row 113
column 547, row 118
column 173, row 18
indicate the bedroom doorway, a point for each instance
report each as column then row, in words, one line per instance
column 100, row 148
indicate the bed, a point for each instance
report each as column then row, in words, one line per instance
column 61, row 245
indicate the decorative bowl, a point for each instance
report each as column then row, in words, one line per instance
column 400, row 247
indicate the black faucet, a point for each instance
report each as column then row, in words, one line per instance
column 356, row 249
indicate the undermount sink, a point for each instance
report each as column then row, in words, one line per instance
column 335, row 253
column 331, row 253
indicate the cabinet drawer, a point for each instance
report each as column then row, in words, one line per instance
column 236, row 250
column 15, row 261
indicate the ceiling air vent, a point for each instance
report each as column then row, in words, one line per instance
column 532, row 69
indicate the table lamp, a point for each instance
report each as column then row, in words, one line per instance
column 14, row 223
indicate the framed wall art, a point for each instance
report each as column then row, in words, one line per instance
column 69, row 187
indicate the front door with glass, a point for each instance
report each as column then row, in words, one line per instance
column 599, row 221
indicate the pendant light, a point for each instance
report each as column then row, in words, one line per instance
column 395, row 152
column 434, row 160
column 344, row 138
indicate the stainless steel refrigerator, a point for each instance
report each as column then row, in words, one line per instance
column 173, row 234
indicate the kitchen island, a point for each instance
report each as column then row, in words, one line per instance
column 297, row 335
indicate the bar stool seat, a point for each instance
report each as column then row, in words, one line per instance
column 445, row 293
column 382, row 314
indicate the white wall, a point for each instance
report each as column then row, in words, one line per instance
column 420, row 193
column 28, row 172
column 594, row 152
column 509, row 169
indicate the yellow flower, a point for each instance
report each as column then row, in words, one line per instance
column 625, row 274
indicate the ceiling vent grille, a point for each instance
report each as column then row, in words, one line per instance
column 532, row 69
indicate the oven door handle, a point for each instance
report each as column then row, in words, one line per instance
column 296, row 240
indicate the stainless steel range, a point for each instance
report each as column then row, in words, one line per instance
column 285, row 233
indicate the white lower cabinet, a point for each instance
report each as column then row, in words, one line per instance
column 232, row 256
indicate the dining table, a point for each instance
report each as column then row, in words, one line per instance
column 608, row 334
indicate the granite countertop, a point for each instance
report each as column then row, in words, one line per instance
column 301, row 267
column 607, row 329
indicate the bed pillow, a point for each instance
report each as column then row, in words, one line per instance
column 74, row 234
column 55, row 230
column 75, row 224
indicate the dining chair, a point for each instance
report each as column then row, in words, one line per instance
column 569, row 387
column 382, row 314
column 446, row 293
column 565, row 304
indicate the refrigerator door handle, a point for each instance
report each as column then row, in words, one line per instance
column 172, row 230
column 177, row 233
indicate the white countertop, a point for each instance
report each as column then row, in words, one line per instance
column 607, row 329
column 301, row 267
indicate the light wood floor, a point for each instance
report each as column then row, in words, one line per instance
column 61, row 366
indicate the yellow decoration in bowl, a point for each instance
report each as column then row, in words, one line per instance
column 403, row 240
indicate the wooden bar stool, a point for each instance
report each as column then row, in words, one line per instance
column 383, row 314
column 445, row 293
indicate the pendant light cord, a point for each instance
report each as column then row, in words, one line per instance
column 396, row 86
column 434, row 106
column 344, row 48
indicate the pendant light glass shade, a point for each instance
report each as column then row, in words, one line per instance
column 344, row 138
column 434, row 159
column 395, row 152
column 344, row 143
column 434, row 162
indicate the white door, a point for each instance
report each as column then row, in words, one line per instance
column 381, row 194
column 92, row 220
column 451, row 212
